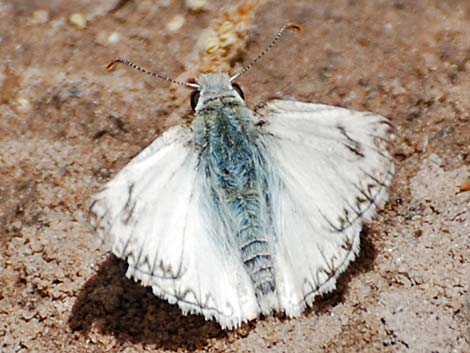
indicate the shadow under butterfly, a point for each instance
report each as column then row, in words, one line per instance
column 117, row 306
column 242, row 213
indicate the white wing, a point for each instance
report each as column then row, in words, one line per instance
column 334, row 169
column 154, row 214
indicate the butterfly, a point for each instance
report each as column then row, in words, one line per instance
column 241, row 213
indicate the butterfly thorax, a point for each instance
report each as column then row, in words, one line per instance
column 227, row 139
column 231, row 160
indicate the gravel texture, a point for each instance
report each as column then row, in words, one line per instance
column 67, row 125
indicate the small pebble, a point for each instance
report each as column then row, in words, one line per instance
column 23, row 104
column 28, row 315
column 114, row 37
column 78, row 20
column 40, row 17
column 197, row 5
column 57, row 23
column 175, row 23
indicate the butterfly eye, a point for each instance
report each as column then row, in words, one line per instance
column 194, row 99
column 237, row 88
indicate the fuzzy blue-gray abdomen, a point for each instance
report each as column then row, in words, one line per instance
column 233, row 162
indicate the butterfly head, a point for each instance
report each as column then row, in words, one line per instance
column 214, row 86
column 211, row 86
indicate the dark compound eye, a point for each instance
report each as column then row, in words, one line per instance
column 237, row 88
column 194, row 99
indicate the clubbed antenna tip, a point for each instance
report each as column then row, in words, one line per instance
column 294, row 27
column 111, row 65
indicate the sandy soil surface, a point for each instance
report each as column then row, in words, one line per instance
column 67, row 125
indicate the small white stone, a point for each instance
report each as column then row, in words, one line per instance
column 197, row 5
column 57, row 23
column 102, row 38
column 388, row 27
column 40, row 17
column 175, row 23
column 23, row 104
column 114, row 37
column 78, row 20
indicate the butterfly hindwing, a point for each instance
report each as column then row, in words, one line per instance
column 333, row 171
column 154, row 214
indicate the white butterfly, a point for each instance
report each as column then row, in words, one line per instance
column 244, row 213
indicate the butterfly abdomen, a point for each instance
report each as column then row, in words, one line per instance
column 248, row 211
column 234, row 164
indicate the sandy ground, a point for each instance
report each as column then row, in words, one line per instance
column 67, row 125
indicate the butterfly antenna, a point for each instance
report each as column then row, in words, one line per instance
column 127, row 62
column 278, row 36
